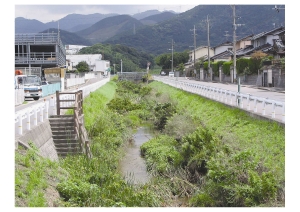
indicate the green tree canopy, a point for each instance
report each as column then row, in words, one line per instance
column 165, row 60
column 82, row 67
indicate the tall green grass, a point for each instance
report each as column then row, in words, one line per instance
column 228, row 140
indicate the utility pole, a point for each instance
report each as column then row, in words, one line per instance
column 234, row 49
column 208, row 47
column 172, row 53
column 121, row 66
column 234, row 43
column 114, row 68
column 194, row 48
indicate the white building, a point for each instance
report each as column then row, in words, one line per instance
column 94, row 61
column 73, row 49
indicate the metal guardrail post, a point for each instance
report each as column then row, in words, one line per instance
column 248, row 102
column 264, row 109
column 46, row 109
column 273, row 109
column 35, row 117
column 20, row 124
column 28, row 120
column 41, row 114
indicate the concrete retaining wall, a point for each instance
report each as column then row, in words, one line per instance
column 41, row 137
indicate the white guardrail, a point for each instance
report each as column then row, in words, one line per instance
column 228, row 97
column 42, row 111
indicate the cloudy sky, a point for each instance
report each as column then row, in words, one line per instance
column 55, row 10
column 46, row 13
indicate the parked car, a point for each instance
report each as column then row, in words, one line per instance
column 171, row 74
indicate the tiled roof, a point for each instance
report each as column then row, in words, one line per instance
column 267, row 33
column 249, row 37
column 222, row 55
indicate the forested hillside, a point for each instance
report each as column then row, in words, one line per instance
column 132, row 60
column 157, row 39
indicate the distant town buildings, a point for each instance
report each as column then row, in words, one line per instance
column 73, row 49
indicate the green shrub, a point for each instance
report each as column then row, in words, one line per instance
column 226, row 67
column 162, row 112
column 161, row 154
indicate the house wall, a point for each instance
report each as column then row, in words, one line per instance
column 89, row 58
column 101, row 65
column 221, row 49
column 242, row 44
column 73, row 49
column 270, row 38
column 201, row 52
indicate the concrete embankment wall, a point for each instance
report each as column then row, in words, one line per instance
column 41, row 137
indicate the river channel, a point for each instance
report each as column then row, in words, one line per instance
column 133, row 166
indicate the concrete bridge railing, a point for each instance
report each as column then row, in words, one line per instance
column 42, row 111
column 235, row 99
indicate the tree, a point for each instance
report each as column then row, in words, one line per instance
column 164, row 60
column 180, row 68
column 255, row 61
column 82, row 67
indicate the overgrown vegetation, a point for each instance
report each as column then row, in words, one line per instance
column 204, row 152
column 233, row 159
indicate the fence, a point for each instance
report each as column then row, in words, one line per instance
column 232, row 98
column 74, row 81
column 41, row 111
column 50, row 89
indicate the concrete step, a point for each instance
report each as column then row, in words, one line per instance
column 63, row 132
column 61, row 141
column 62, row 125
column 68, row 149
column 61, row 116
column 67, row 145
column 62, row 128
column 64, row 154
column 64, row 136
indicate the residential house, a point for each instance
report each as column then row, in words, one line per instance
column 94, row 61
column 223, row 47
column 73, row 49
column 200, row 52
column 269, row 42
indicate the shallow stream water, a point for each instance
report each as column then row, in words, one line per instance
column 133, row 166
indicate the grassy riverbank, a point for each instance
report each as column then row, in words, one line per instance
column 202, row 154
column 233, row 159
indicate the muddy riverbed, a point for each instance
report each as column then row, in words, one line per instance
column 133, row 166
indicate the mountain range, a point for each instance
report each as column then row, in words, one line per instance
column 153, row 31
